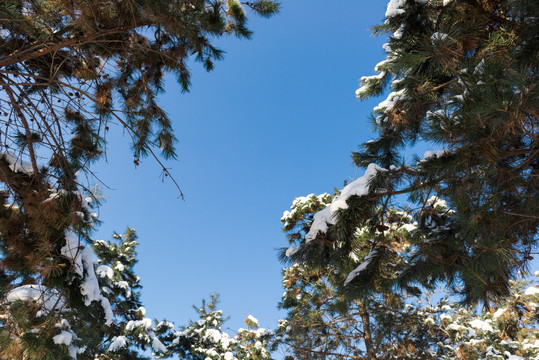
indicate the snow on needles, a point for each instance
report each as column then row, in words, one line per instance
column 368, row 81
column 434, row 154
column 82, row 260
column 481, row 325
column 65, row 338
column 320, row 223
column 301, row 202
column 366, row 261
column 47, row 298
column 71, row 250
column 532, row 290
column 394, row 8
column 437, row 37
column 16, row 164
column 118, row 342
column 104, row 271
column 292, row 250
column 359, row 187
column 386, row 106
column 252, row 321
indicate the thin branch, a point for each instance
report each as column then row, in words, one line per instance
column 26, row 127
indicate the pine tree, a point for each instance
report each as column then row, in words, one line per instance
column 69, row 70
column 464, row 76
column 417, row 329
column 205, row 339
column 327, row 317
column 324, row 322
column 98, row 315
column 79, row 308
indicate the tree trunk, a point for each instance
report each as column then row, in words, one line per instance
column 371, row 353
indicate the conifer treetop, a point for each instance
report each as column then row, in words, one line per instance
column 462, row 78
column 69, row 70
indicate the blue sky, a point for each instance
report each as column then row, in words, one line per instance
column 275, row 120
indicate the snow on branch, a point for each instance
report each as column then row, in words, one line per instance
column 366, row 262
column 16, row 164
column 81, row 258
column 394, row 8
column 46, row 298
column 359, row 187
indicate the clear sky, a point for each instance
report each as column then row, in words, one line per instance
column 276, row 119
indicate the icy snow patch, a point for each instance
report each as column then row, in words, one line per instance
column 532, row 290
column 65, row 337
column 16, row 164
column 105, row 304
column 90, row 286
column 213, row 334
column 82, row 260
column 359, row 187
column 434, row 154
column 142, row 310
column 158, row 346
column 63, row 323
column 389, row 103
column 366, row 261
column 118, row 342
column 292, row 250
column 104, row 271
column 480, row 68
column 71, row 250
column 499, row 313
column 438, row 36
column 119, row 266
column 379, row 67
column 320, row 223
column 481, row 325
column 146, row 323
column 47, row 298
column 367, row 81
column 400, row 31
column 394, row 8
column 455, row 327
column 445, row 317
column 252, row 320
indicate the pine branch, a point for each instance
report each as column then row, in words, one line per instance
column 39, row 50
column 29, row 142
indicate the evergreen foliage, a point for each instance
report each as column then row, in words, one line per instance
column 321, row 324
column 324, row 322
column 327, row 317
column 464, row 80
column 46, row 322
column 205, row 339
column 77, row 310
column 69, row 70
